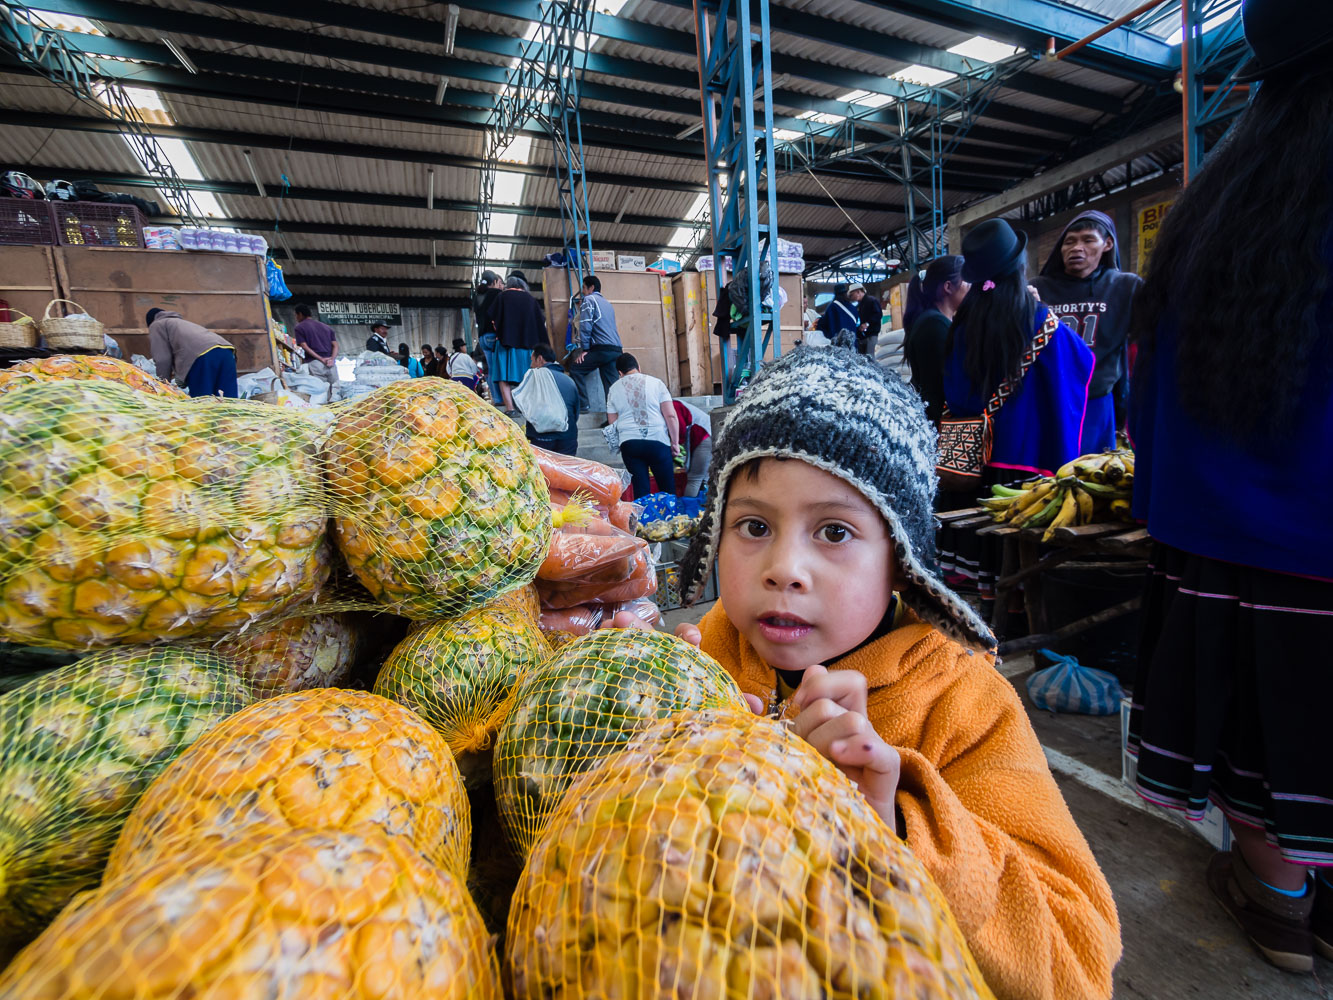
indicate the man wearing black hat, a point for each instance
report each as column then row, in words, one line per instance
column 488, row 290
column 192, row 354
column 376, row 341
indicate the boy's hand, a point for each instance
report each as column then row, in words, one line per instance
column 832, row 718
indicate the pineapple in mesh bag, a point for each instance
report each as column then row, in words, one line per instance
column 295, row 655
column 300, row 915
column 457, row 674
column 324, row 759
column 77, row 747
column 586, row 702
column 440, row 506
column 73, row 366
column 127, row 518
column 719, row 856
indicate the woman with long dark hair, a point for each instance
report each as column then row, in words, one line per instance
column 1039, row 424
column 933, row 296
column 1232, row 417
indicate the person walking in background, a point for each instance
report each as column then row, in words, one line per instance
column 1039, row 425
column 518, row 324
column 428, row 360
column 696, row 436
column 564, row 442
column 640, row 407
column 872, row 320
column 406, row 359
column 320, row 346
column 376, row 341
column 192, row 354
column 599, row 341
column 933, row 296
column 841, row 322
column 460, row 366
column 488, row 291
column 1083, row 285
column 1231, row 414
column 483, row 383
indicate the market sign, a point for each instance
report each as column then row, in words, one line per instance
column 359, row 313
column 1150, row 223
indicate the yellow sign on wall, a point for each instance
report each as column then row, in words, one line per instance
column 1150, row 224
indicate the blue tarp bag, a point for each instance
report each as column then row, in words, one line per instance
column 277, row 288
column 1068, row 686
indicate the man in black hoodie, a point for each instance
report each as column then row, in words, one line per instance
column 1083, row 285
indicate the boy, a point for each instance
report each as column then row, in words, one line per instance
column 820, row 516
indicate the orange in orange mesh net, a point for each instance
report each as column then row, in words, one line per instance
column 439, row 503
column 458, row 674
column 77, row 747
column 719, row 856
column 301, row 915
column 327, row 759
column 585, row 702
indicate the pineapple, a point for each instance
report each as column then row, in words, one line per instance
column 126, row 518
column 327, row 759
column 721, row 856
column 457, row 674
column 301, row 915
column 295, row 654
column 440, row 506
column 77, row 746
column 586, row 702
column 73, row 366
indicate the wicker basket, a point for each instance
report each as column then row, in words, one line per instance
column 70, row 333
column 20, row 334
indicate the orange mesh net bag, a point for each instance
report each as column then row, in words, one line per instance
column 439, row 503
column 457, row 674
column 325, row 759
column 719, row 856
column 296, row 654
column 130, row 518
column 585, row 702
column 77, row 747
column 301, row 915
column 73, row 366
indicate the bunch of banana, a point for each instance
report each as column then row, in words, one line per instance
column 1088, row 490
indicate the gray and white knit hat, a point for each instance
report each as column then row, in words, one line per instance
column 841, row 412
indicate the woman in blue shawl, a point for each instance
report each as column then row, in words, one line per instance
column 1039, row 427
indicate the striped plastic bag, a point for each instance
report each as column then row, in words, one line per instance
column 1068, row 686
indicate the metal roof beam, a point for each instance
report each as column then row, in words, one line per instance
column 1126, row 52
column 423, row 260
column 32, row 119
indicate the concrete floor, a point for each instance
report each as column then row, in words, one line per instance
column 1178, row 943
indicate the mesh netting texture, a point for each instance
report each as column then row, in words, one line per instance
column 328, row 759
column 73, row 366
column 129, row 518
column 719, row 856
column 585, row 702
column 299, row 915
column 295, row 655
column 458, row 674
column 77, row 747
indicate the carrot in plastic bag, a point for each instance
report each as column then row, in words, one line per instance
column 588, row 557
column 642, row 583
column 625, row 515
column 578, row 620
column 570, row 474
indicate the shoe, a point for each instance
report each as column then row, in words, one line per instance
column 1278, row 926
column 1321, row 919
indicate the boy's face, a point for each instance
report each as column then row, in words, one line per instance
column 805, row 564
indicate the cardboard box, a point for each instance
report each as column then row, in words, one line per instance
column 624, row 263
column 603, row 260
column 1212, row 828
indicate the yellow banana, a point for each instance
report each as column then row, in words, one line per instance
column 1083, row 500
column 1066, row 470
column 1120, row 510
column 1065, row 516
column 1114, row 470
column 1029, row 500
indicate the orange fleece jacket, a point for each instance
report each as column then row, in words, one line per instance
column 980, row 808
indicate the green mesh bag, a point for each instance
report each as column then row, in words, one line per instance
column 585, row 702
column 77, row 747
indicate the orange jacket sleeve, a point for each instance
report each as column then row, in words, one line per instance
column 983, row 813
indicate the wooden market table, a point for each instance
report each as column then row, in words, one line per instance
column 1026, row 558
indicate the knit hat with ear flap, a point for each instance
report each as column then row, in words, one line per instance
column 841, row 412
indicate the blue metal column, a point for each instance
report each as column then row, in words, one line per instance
column 1221, row 52
column 735, row 72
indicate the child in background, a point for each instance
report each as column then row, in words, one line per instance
column 820, row 516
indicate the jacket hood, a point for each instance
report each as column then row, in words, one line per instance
column 1055, row 265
